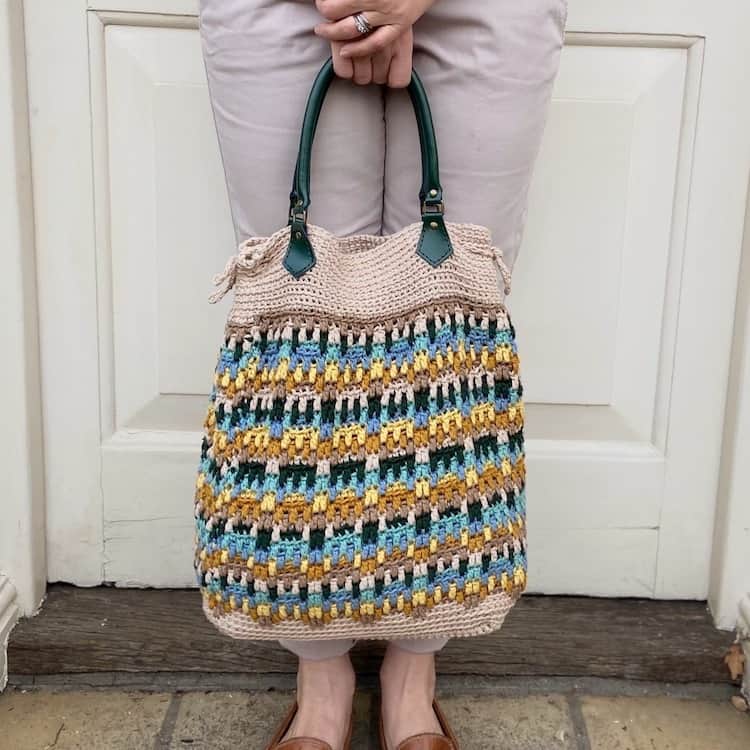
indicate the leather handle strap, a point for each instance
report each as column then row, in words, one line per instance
column 434, row 243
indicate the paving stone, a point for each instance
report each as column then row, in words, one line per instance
column 226, row 720
column 118, row 720
column 489, row 723
column 659, row 723
column 232, row 720
column 80, row 720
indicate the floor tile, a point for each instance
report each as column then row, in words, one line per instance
column 664, row 724
column 532, row 723
column 228, row 721
column 80, row 720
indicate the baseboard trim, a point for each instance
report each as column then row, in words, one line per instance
column 9, row 614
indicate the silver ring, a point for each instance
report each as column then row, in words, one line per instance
column 362, row 24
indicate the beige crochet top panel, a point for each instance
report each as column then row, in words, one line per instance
column 362, row 277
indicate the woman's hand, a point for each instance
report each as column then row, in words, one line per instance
column 391, row 19
column 390, row 65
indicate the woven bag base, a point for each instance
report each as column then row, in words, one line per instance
column 447, row 620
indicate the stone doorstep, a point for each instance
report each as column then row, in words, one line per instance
column 111, row 631
column 743, row 634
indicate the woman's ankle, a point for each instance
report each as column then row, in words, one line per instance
column 325, row 690
column 407, row 685
column 405, row 672
column 319, row 680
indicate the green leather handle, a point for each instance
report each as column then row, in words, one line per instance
column 434, row 244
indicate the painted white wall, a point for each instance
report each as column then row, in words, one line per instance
column 22, row 547
column 730, row 569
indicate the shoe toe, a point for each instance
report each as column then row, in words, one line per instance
column 427, row 742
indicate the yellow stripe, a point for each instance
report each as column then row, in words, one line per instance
column 315, row 572
column 334, row 374
column 301, row 442
column 249, row 506
column 509, row 586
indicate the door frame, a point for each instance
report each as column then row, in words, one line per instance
column 22, row 534
column 66, row 240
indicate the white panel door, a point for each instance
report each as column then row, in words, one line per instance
column 623, row 294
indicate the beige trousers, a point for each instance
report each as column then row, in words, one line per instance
column 488, row 67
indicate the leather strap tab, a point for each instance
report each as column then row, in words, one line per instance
column 300, row 256
column 434, row 242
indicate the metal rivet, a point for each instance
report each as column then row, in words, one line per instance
column 433, row 225
column 298, row 235
column 433, row 192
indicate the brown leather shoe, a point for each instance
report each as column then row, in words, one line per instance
column 427, row 741
column 302, row 743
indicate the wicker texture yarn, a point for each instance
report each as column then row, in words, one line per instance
column 361, row 277
column 362, row 468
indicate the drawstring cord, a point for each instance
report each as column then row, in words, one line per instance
column 503, row 266
column 225, row 280
column 243, row 259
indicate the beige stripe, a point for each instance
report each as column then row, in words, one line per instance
column 361, row 276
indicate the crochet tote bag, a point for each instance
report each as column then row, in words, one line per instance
column 362, row 466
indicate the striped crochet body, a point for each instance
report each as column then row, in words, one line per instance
column 364, row 479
